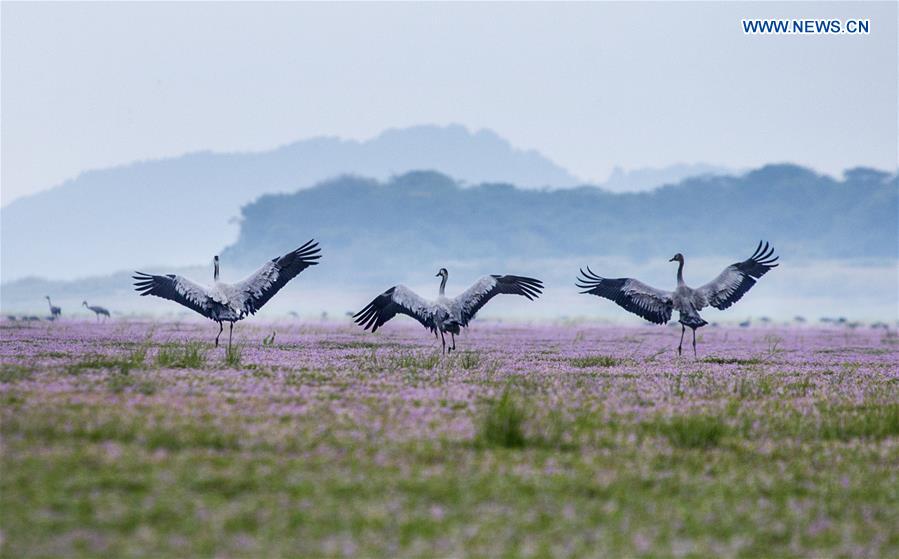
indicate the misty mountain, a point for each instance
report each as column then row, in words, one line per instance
column 834, row 237
column 368, row 227
column 177, row 211
column 649, row 178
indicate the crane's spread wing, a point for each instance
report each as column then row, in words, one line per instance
column 175, row 288
column 467, row 305
column 257, row 289
column 635, row 296
column 397, row 299
column 736, row 279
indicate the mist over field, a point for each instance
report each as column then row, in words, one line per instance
column 378, row 232
column 374, row 233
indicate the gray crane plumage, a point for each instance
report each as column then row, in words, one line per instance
column 224, row 302
column 444, row 315
column 98, row 310
column 656, row 305
column 55, row 312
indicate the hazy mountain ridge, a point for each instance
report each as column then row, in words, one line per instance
column 168, row 211
column 650, row 178
column 419, row 218
column 829, row 233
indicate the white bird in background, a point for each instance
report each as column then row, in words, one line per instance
column 97, row 310
column 444, row 314
column 655, row 305
column 226, row 302
column 55, row 312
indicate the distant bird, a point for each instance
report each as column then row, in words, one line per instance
column 443, row 314
column 55, row 312
column 97, row 310
column 655, row 305
column 745, row 324
column 224, row 302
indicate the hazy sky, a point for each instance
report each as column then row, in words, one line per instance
column 589, row 85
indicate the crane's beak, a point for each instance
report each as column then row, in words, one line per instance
column 672, row 259
column 437, row 275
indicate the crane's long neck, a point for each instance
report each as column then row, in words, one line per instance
column 215, row 273
column 680, row 272
column 443, row 285
column 49, row 302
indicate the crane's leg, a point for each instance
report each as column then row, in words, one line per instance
column 453, row 336
column 231, row 331
column 443, row 341
column 694, row 343
column 680, row 345
column 221, row 327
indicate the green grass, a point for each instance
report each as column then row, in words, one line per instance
column 697, row 431
column 753, row 388
column 233, row 356
column 846, row 423
column 134, row 359
column 124, row 380
column 377, row 455
column 13, row 373
column 416, row 360
column 191, row 489
column 594, row 361
column 468, row 360
column 189, row 355
column 732, row 360
column 503, row 423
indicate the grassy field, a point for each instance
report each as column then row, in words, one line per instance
column 141, row 439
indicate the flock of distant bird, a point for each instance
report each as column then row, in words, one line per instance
column 224, row 302
column 56, row 312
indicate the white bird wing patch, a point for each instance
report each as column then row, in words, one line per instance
column 413, row 303
column 719, row 289
column 648, row 298
column 175, row 288
column 397, row 299
column 467, row 303
column 255, row 286
column 192, row 292
column 252, row 293
column 731, row 284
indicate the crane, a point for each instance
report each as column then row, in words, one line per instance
column 656, row 305
column 55, row 312
column 97, row 310
column 230, row 302
column 444, row 315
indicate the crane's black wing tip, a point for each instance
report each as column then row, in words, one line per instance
column 368, row 317
column 590, row 275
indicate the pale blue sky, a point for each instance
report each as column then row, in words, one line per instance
column 591, row 86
